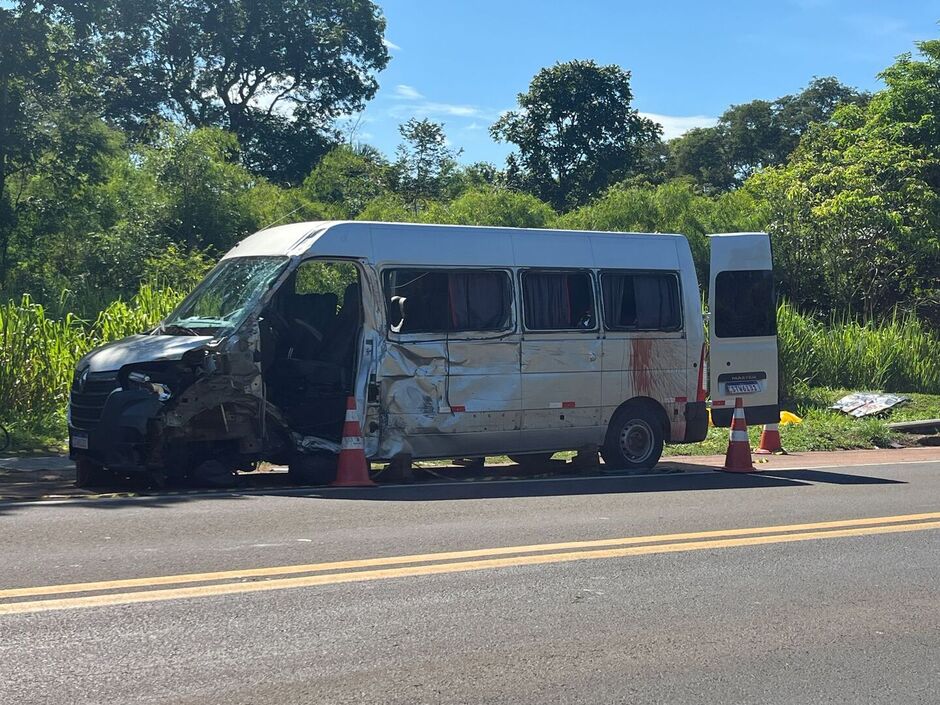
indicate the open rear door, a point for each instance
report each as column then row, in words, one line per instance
column 742, row 331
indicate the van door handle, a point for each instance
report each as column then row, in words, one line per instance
column 592, row 356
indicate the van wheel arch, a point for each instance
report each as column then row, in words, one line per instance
column 655, row 407
column 639, row 420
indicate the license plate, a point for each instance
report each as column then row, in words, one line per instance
column 743, row 387
column 80, row 441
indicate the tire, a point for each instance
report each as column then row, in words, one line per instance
column 89, row 474
column 317, row 469
column 634, row 438
column 532, row 461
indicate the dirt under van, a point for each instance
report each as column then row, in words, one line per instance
column 454, row 342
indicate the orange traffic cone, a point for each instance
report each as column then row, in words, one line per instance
column 352, row 470
column 738, row 457
column 770, row 440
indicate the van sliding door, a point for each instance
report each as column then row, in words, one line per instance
column 561, row 359
column 742, row 328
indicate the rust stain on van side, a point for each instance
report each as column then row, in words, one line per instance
column 641, row 360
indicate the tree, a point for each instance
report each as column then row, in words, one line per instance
column 855, row 214
column 815, row 103
column 751, row 137
column 493, row 206
column 424, row 163
column 348, row 178
column 754, row 135
column 46, row 73
column 700, row 153
column 277, row 73
column 576, row 132
column 205, row 191
column 479, row 175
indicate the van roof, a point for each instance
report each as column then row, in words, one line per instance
column 413, row 243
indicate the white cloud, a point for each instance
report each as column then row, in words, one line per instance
column 677, row 125
column 412, row 103
column 432, row 109
column 407, row 92
column 392, row 46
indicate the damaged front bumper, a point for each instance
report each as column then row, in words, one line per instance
column 121, row 439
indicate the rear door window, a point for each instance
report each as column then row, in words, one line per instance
column 442, row 301
column 558, row 300
column 641, row 301
column 744, row 304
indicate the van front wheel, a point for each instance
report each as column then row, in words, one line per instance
column 91, row 475
column 634, row 439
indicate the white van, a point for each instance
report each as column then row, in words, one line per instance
column 455, row 341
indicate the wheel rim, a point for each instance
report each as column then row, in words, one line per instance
column 636, row 440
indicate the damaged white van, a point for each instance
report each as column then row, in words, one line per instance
column 455, row 341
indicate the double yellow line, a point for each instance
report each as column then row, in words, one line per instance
column 230, row 582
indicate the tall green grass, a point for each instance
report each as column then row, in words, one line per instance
column 38, row 352
column 897, row 355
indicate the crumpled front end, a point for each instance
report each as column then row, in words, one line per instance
column 165, row 414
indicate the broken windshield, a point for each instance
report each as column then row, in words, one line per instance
column 225, row 297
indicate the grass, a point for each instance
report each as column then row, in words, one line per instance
column 38, row 354
column 895, row 355
column 824, row 429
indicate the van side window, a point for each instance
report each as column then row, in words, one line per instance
column 558, row 300
column 436, row 300
column 744, row 304
column 641, row 301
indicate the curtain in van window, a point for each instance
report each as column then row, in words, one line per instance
column 547, row 301
column 656, row 303
column 478, row 300
column 613, row 290
column 641, row 301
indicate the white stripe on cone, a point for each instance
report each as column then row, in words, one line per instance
column 351, row 415
column 739, row 436
column 352, row 443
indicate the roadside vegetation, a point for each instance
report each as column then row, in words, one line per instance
column 117, row 195
column 823, row 428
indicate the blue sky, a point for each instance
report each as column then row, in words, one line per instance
column 463, row 62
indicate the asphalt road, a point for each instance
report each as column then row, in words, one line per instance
column 818, row 586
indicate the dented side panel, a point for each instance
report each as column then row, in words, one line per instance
column 442, row 397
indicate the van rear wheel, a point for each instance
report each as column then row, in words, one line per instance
column 634, row 439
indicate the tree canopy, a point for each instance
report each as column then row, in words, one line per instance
column 275, row 73
column 576, row 132
column 140, row 140
column 754, row 135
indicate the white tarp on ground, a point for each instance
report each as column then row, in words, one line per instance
column 860, row 404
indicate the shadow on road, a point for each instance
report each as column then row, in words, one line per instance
column 497, row 483
column 611, row 484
